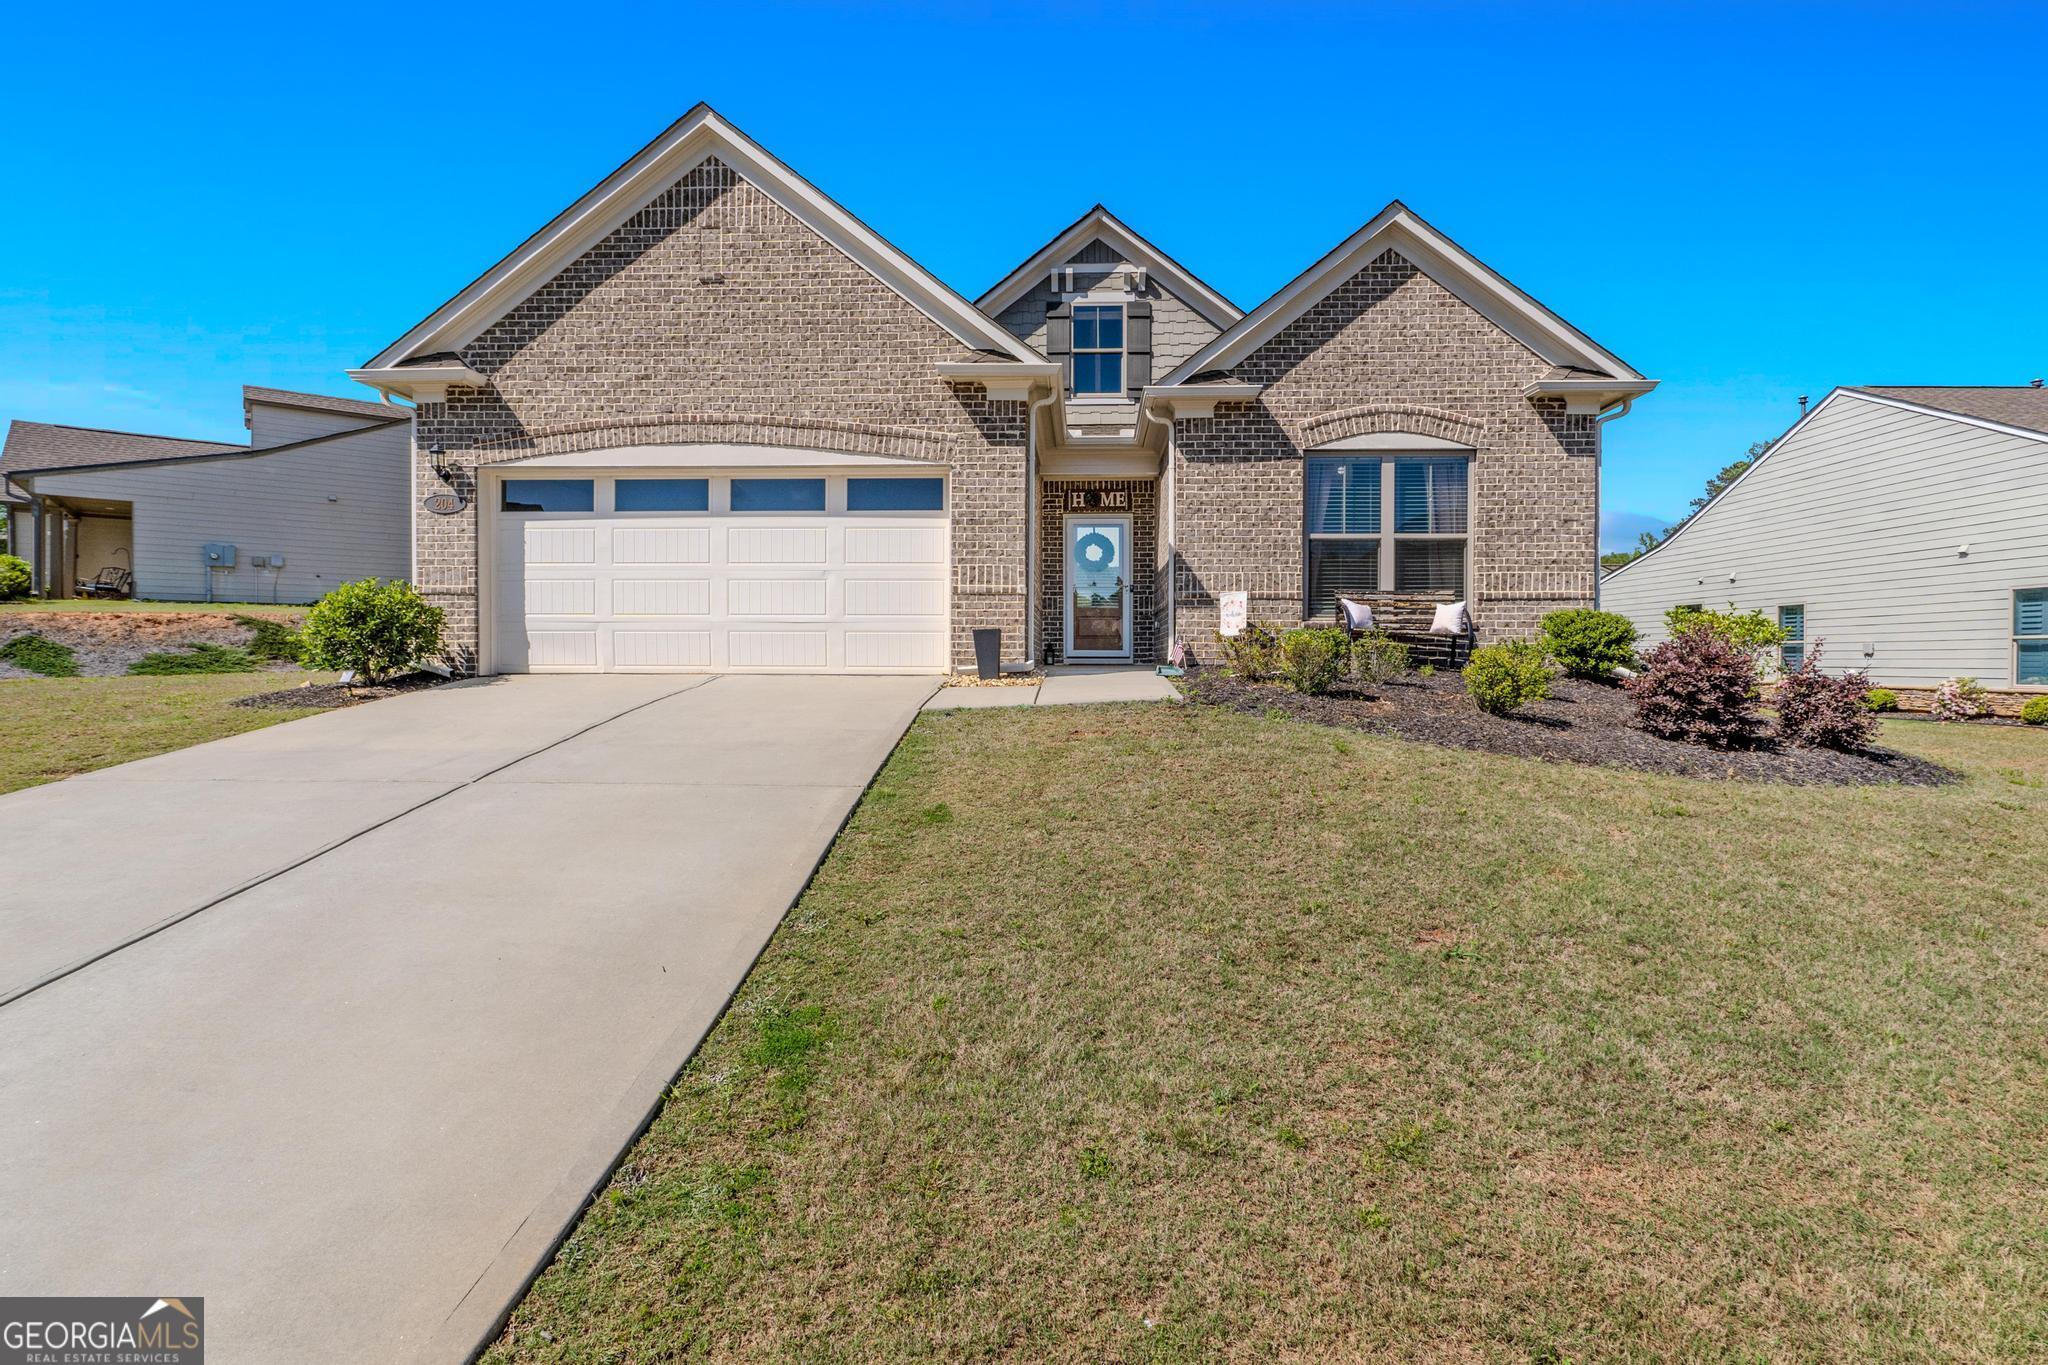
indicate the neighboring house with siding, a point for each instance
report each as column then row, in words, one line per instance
column 706, row 419
column 319, row 495
column 1904, row 527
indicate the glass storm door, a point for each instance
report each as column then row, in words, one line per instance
column 1098, row 588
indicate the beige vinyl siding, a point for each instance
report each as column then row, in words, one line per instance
column 265, row 504
column 1859, row 516
column 273, row 425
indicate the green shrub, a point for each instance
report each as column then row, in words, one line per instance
column 2035, row 712
column 372, row 628
column 40, row 655
column 272, row 640
column 1588, row 643
column 1881, row 699
column 1376, row 657
column 1312, row 659
column 202, row 658
column 1504, row 677
column 15, row 577
column 1253, row 654
column 1750, row 630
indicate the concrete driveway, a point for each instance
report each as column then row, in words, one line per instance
column 337, row 1024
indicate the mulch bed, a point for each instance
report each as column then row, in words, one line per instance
column 1582, row 722
column 332, row 696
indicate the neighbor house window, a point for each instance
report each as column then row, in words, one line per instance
column 547, row 495
column 1098, row 348
column 661, row 495
column 778, row 495
column 2030, row 637
column 895, row 495
column 1355, row 500
column 1792, row 620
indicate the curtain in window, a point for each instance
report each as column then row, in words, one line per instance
column 1429, row 497
column 1343, row 497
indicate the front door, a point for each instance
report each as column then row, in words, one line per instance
column 1098, row 587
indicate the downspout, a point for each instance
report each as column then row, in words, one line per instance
column 35, row 566
column 1606, row 415
column 1031, row 588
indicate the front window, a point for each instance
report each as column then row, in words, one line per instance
column 1353, row 500
column 1792, row 620
column 1098, row 348
column 2030, row 637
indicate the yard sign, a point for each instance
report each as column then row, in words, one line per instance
column 1232, row 608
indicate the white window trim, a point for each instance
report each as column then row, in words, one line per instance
column 2012, row 608
column 1386, row 535
column 1123, row 362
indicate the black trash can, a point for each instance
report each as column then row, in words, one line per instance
column 988, row 654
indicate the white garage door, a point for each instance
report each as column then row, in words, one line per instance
column 679, row 571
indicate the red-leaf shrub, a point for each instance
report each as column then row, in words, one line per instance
column 1699, row 687
column 1823, row 712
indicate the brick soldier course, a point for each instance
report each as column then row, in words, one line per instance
column 728, row 306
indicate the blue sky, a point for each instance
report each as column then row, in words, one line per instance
column 1748, row 203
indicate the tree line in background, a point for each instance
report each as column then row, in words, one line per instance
column 1716, row 486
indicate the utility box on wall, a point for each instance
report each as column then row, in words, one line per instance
column 220, row 555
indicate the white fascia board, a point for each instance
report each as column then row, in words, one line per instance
column 1588, row 395
column 1199, row 400
column 1005, row 381
column 421, row 383
column 692, row 139
column 1450, row 265
column 1100, row 223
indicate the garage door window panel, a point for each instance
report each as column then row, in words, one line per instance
column 548, row 495
column 895, row 495
column 662, row 495
column 778, row 495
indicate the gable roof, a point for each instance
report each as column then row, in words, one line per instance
column 320, row 402
column 1890, row 395
column 1399, row 228
column 37, row 447
column 2013, row 405
column 1099, row 224
column 692, row 139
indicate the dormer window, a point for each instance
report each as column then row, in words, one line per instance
column 1098, row 349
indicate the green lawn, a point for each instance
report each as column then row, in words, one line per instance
column 89, row 604
column 55, row 727
column 1158, row 1033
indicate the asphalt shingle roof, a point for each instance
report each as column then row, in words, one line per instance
column 33, row 446
column 2016, row 405
column 359, row 407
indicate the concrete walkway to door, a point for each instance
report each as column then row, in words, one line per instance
column 336, row 1024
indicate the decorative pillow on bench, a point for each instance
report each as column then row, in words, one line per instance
column 1357, row 615
column 1451, row 619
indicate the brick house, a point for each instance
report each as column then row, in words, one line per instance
column 707, row 419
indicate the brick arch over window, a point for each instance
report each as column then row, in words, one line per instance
column 703, row 428
column 1375, row 418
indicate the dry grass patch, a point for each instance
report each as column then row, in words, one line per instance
column 1175, row 1034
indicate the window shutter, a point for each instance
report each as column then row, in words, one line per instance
column 1137, row 345
column 1059, row 339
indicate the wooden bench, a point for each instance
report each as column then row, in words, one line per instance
column 1408, row 619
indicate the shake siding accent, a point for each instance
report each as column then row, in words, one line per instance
column 1859, row 516
column 264, row 504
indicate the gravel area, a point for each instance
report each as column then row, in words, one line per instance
column 105, row 643
column 332, row 696
column 1581, row 723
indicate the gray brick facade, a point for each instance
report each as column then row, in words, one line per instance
column 713, row 315
column 1388, row 350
